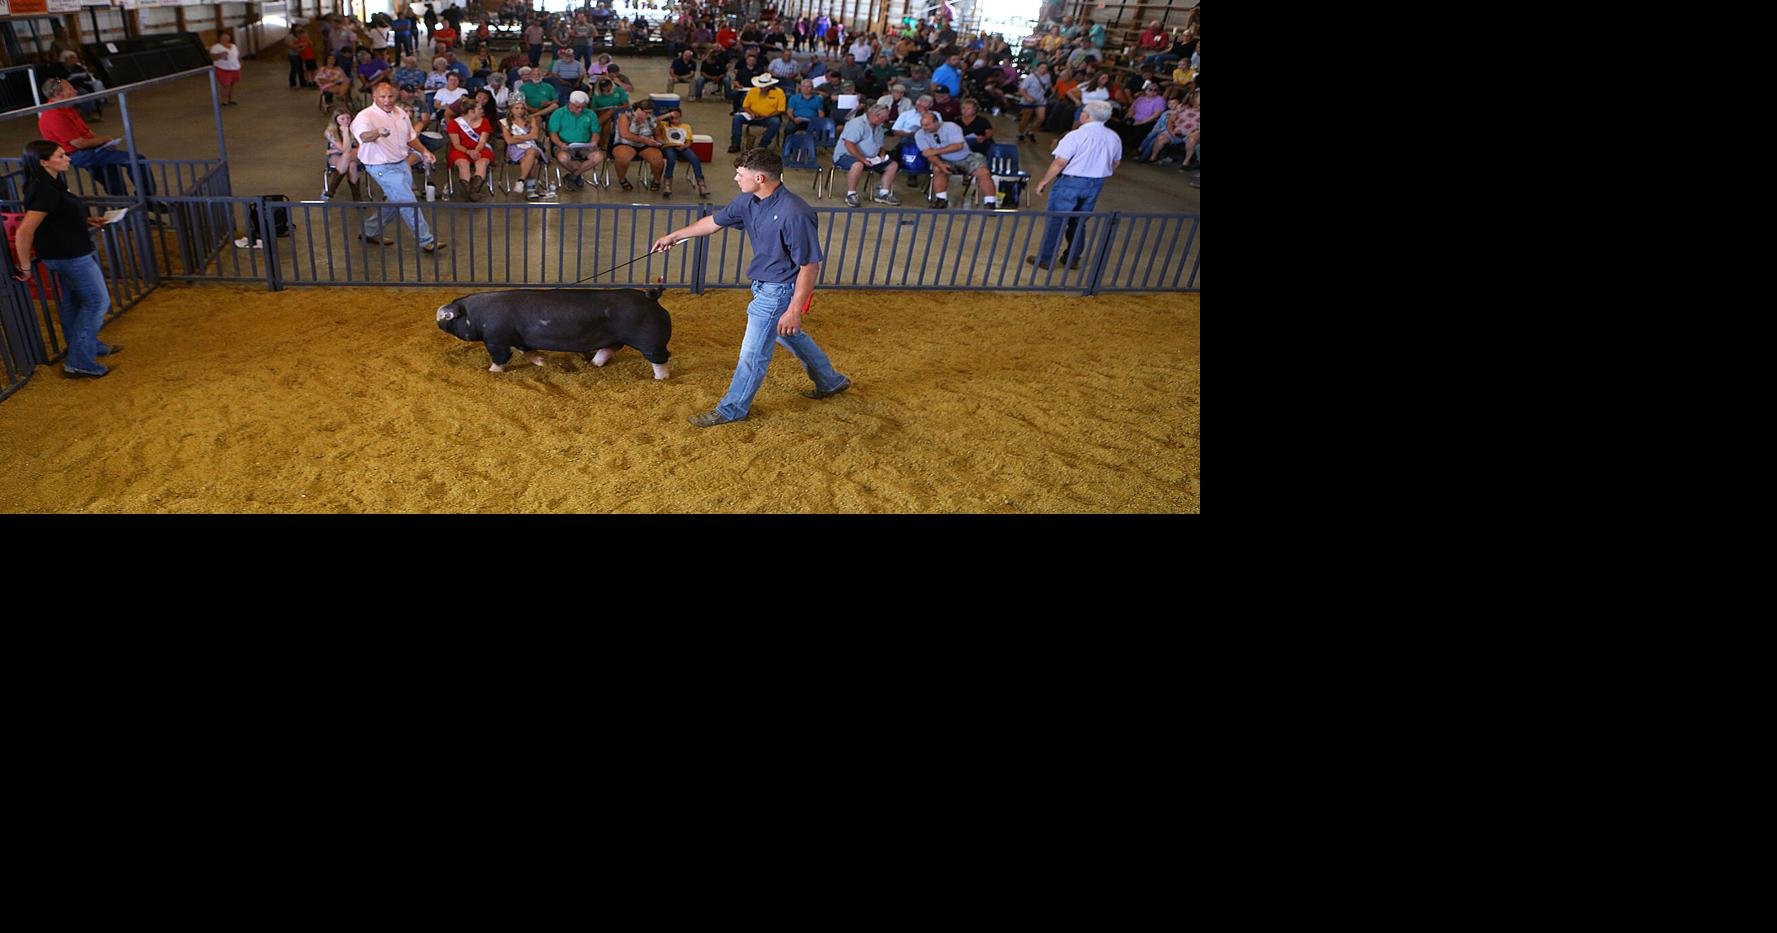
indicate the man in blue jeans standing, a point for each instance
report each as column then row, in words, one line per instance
column 386, row 137
column 786, row 264
column 1083, row 160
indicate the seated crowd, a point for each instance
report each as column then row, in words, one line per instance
column 915, row 102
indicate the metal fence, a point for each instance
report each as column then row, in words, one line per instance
column 190, row 225
column 30, row 328
column 527, row 244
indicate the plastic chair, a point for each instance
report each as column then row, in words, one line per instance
column 800, row 155
column 1008, row 178
column 825, row 133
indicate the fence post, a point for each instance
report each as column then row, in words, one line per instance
column 700, row 254
column 1102, row 258
column 274, row 279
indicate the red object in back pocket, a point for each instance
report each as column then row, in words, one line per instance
column 39, row 273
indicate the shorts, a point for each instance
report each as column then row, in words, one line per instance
column 580, row 153
column 515, row 152
column 844, row 162
column 969, row 164
column 224, row 77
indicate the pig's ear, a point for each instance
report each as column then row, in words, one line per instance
column 449, row 312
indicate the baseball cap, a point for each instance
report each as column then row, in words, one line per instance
column 578, row 97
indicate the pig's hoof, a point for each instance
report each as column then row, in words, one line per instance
column 603, row 356
column 535, row 358
column 660, row 372
column 496, row 368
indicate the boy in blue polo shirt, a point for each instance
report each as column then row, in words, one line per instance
column 786, row 264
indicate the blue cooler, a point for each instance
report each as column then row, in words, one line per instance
column 665, row 102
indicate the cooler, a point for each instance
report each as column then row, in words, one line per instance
column 664, row 102
column 704, row 146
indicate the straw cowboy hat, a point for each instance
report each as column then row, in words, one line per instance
column 764, row 81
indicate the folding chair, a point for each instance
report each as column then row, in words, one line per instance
column 800, row 155
column 1008, row 178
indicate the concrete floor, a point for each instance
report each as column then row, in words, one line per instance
column 275, row 145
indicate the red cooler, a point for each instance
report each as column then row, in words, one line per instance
column 704, row 146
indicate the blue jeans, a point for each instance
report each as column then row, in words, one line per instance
column 1069, row 193
column 105, row 166
column 397, row 181
column 770, row 301
column 771, row 125
column 1141, row 151
column 683, row 155
column 85, row 299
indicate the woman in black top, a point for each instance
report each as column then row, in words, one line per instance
column 57, row 226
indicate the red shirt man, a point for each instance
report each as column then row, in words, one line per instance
column 725, row 37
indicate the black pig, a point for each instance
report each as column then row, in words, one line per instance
column 593, row 322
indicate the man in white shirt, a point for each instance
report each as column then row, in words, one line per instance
column 1083, row 160
column 908, row 121
column 385, row 135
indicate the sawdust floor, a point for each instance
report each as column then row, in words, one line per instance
column 235, row 399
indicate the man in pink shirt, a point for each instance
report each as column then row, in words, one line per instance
column 385, row 134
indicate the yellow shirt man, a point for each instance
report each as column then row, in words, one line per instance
column 765, row 102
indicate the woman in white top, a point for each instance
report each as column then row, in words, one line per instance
column 449, row 94
column 380, row 38
column 227, row 56
column 342, row 154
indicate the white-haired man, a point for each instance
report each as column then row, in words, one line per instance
column 1083, row 159
column 575, row 134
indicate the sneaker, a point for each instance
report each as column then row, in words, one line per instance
column 734, row 148
column 818, row 394
column 433, row 247
column 886, row 197
column 938, row 204
column 1032, row 261
column 851, row 200
column 84, row 374
column 530, row 194
column 711, row 418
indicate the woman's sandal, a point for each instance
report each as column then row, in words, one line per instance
column 626, row 185
column 703, row 190
column 666, row 189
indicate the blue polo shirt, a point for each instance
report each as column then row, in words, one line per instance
column 949, row 77
column 782, row 228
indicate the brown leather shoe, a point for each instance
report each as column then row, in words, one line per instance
column 818, row 394
column 711, row 418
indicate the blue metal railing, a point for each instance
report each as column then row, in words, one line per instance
column 523, row 244
column 204, row 236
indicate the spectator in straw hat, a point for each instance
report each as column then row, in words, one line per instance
column 764, row 105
